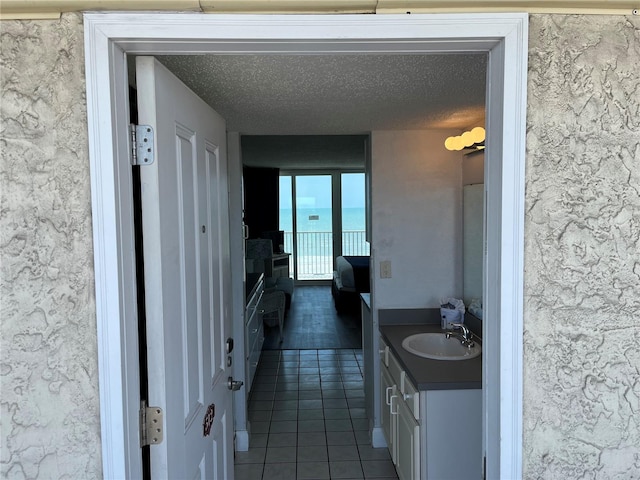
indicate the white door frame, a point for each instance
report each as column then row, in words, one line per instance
column 108, row 37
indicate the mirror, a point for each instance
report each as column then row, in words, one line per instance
column 472, row 246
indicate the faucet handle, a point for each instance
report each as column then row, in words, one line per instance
column 466, row 333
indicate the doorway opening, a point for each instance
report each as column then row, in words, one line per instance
column 109, row 38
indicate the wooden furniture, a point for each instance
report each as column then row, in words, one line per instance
column 254, row 328
column 277, row 265
column 260, row 258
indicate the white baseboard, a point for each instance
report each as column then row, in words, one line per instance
column 377, row 438
column 242, row 441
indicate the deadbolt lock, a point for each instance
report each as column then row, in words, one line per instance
column 234, row 385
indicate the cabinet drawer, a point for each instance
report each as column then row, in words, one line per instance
column 257, row 338
column 254, row 351
column 411, row 395
column 252, row 364
column 384, row 353
column 253, row 330
column 253, row 302
column 394, row 368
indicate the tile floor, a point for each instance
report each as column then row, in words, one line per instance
column 308, row 419
column 313, row 322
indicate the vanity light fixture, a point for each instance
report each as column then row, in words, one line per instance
column 473, row 139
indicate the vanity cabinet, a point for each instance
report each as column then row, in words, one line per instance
column 254, row 331
column 388, row 390
column 407, row 442
column 400, row 416
column 431, row 434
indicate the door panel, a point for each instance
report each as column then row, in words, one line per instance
column 220, row 267
column 187, row 275
column 191, row 287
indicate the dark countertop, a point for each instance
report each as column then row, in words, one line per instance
column 366, row 298
column 427, row 374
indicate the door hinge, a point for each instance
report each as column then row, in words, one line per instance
column 142, row 152
column 484, row 468
column 151, row 425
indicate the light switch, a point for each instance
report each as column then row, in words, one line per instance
column 385, row 269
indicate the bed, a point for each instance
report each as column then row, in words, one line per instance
column 350, row 279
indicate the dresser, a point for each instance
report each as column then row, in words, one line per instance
column 277, row 265
column 254, row 329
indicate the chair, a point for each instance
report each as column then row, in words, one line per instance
column 272, row 306
column 259, row 256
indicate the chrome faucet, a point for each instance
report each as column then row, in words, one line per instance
column 465, row 336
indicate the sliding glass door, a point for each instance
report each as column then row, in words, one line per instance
column 352, row 211
column 322, row 215
column 314, row 227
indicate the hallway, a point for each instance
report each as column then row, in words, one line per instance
column 313, row 322
column 308, row 419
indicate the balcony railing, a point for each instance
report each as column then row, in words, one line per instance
column 315, row 257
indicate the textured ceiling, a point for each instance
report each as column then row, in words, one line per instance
column 337, row 94
column 298, row 152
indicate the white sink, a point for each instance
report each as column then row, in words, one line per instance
column 437, row 346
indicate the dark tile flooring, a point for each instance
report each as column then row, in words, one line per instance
column 312, row 322
column 308, row 421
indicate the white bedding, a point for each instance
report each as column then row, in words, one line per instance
column 343, row 275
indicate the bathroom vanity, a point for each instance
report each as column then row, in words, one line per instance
column 431, row 410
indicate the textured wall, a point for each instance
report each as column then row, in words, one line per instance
column 49, row 401
column 582, row 311
column 582, row 249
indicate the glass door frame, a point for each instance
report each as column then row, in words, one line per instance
column 336, row 212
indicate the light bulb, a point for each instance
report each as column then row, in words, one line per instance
column 467, row 139
column 458, row 143
column 478, row 134
column 449, row 143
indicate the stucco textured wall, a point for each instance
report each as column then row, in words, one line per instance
column 582, row 278
column 50, row 412
column 582, row 249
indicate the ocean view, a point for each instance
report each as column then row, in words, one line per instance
column 314, row 242
column 314, row 253
column 319, row 219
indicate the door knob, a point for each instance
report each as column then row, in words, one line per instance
column 234, row 385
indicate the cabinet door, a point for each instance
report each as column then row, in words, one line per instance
column 388, row 395
column 407, row 442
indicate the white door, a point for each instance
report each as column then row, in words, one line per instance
column 187, row 277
